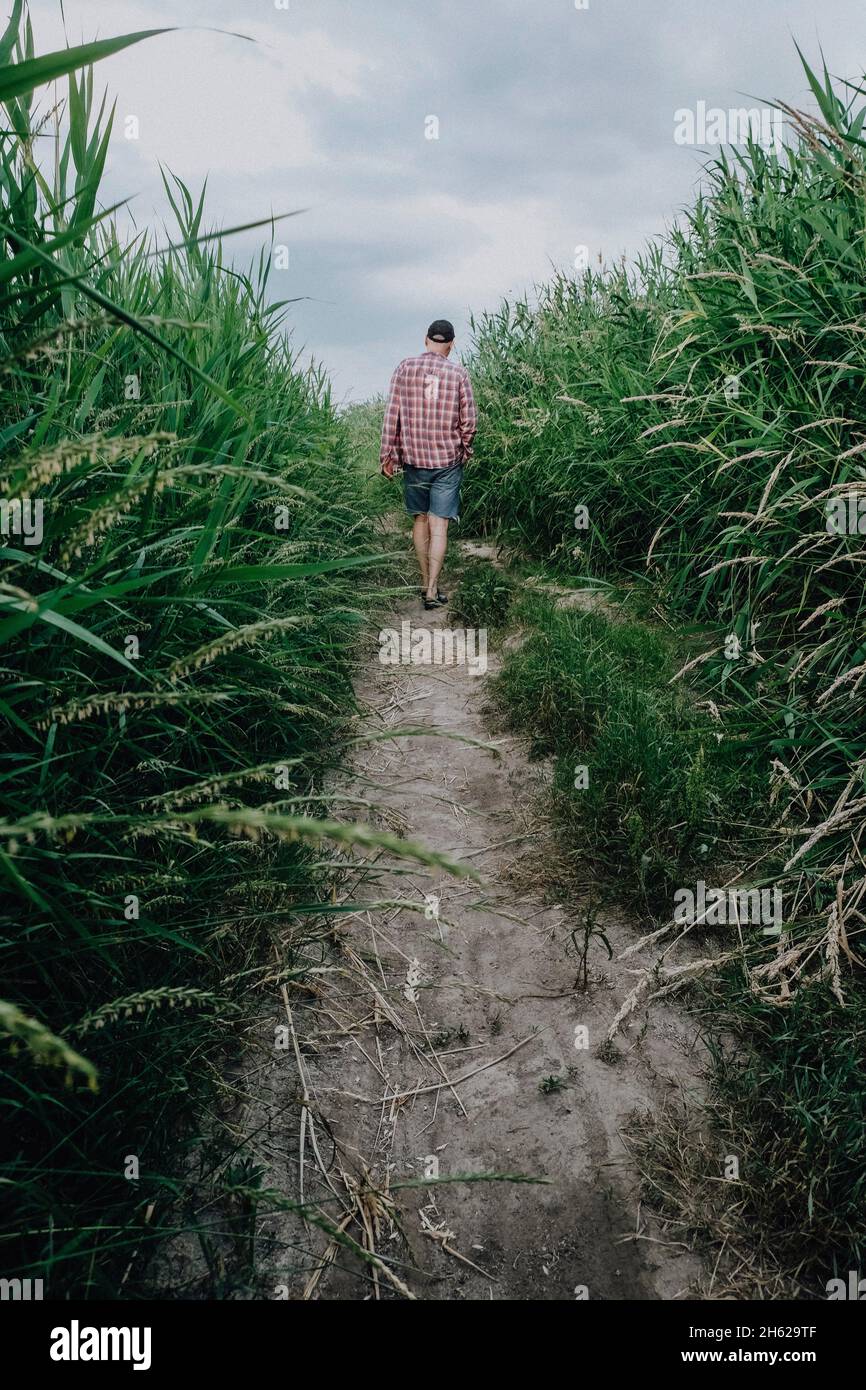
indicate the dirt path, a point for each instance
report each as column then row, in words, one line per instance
column 494, row 1003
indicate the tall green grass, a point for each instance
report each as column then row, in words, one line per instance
column 641, row 785
column 362, row 423
column 174, row 679
column 785, row 1099
column 704, row 406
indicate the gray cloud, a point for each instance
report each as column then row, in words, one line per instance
column 556, row 128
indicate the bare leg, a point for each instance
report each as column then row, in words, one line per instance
column 421, row 541
column 438, row 526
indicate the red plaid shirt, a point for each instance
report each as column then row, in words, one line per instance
column 430, row 419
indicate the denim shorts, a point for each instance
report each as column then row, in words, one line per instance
column 435, row 490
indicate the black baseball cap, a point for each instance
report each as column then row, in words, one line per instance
column 441, row 331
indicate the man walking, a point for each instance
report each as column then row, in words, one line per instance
column 429, row 426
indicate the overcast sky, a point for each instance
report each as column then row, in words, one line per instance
column 555, row 130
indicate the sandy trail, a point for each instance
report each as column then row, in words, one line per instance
column 494, row 996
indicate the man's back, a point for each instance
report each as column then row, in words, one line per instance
column 430, row 418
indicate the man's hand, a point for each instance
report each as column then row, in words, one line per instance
column 389, row 468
